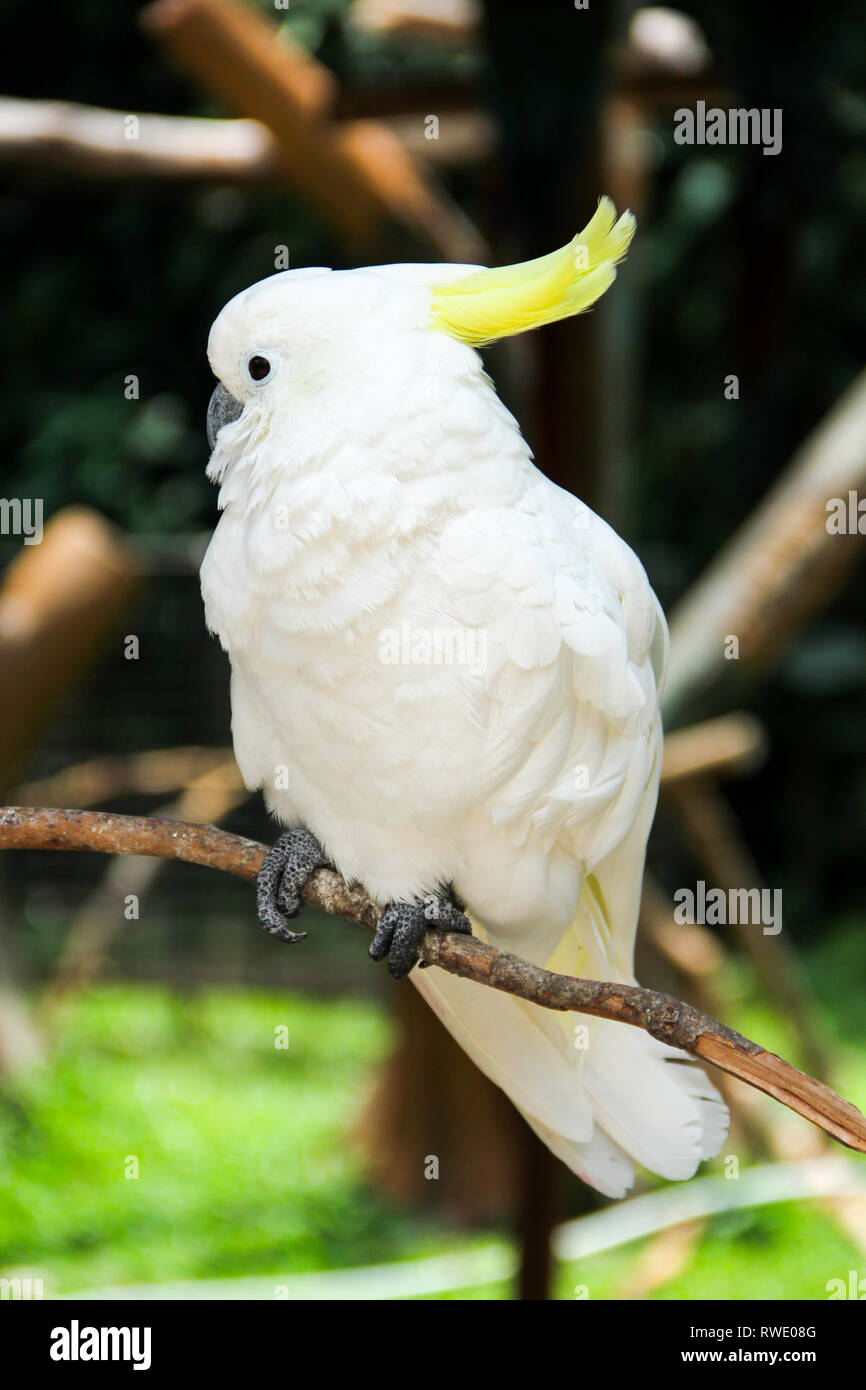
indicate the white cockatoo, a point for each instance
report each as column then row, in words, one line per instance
column 445, row 670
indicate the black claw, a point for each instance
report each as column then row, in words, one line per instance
column 402, row 926
column 286, row 867
column 381, row 943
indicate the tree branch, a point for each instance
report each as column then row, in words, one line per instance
column 670, row 1020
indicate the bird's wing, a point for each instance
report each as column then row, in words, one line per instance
column 576, row 652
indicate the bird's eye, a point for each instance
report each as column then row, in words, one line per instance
column 259, row 368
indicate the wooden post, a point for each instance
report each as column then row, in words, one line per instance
column 58, row 601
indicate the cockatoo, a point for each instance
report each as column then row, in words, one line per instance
column 445, row 670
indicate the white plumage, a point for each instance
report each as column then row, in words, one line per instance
column 457, row 668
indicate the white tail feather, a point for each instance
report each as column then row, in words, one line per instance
column 623, row 1097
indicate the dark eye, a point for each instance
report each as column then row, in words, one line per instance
column 258, row 368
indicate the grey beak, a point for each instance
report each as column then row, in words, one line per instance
column 222, row 409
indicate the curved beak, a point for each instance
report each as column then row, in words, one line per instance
column 222, row 409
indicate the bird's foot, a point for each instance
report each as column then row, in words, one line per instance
column 402, row 926
column 285, row 869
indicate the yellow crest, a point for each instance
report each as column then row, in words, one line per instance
column 494, row 304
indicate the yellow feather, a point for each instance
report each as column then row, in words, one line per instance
column 495, row 304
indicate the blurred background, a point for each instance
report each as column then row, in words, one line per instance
column 182, row 1101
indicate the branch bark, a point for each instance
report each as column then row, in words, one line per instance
column 670, row 1020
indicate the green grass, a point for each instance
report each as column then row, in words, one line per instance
column 246, row 1167
column 244, row 1164
column 781, row 1252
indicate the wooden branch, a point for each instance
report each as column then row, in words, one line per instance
column 670, row 1020
column 234, row 54
column 781, row 568
column 60, row 137
column 90, row 142
column 155, row 772
column 357, row 174
column 209, row 794
column 730, row 745
column 450, row 23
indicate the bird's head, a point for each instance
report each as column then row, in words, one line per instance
column 327, row 339
column 316, row 336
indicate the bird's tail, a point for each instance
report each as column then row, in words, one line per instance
column 496, row 303
column 600, row 1094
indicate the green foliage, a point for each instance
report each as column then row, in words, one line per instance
column 781, row 1252
column 246, row 1167
column 243, row 1153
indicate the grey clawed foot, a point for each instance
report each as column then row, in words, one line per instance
column 402, row 926
column 285, row 869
